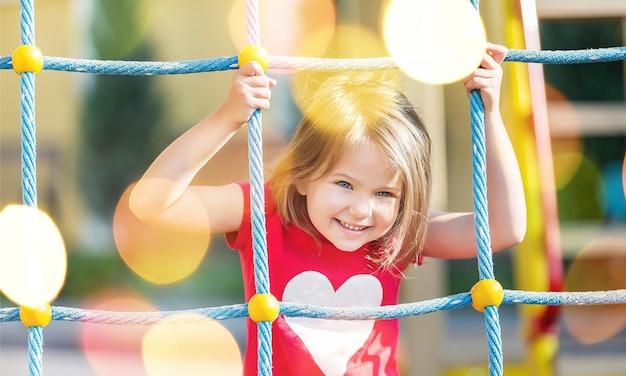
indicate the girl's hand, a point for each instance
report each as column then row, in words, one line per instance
column 488, row 77
column 249, row 90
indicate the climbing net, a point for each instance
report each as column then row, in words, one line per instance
column 263, row 308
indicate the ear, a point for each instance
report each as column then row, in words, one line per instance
column 301, row 188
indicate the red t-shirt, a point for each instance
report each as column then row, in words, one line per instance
column 303, row 270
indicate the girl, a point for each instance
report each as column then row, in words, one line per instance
column 346, row 209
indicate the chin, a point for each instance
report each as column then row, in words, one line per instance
column 346, row 248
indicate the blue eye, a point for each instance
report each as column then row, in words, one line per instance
column 344, row 184
column 384, row 194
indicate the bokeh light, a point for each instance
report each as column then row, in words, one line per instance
column 598, row 267
column 33, row 261
column 158, row 254
column 436, row 42
column 567, row 164
column 302, row 19
column 204, row 347
column 566, row 144
column 113, row 350
column 349, row 41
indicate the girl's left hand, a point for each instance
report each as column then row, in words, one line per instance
column 488, row 77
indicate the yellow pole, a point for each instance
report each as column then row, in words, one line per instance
column 537, row 260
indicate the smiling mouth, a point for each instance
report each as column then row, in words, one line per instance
column 352, row 227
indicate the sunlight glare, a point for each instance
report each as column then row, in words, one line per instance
column 436, row 42
column 33, row 260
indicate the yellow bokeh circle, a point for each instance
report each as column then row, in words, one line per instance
column 33, row 261
column 287, row 27
column 202, row 347
column 159, row 253
column 436, row 42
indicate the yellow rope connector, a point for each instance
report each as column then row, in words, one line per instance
column 486, row 292
column 27, row 58
column 39, row 316
column 263, row 307
column 254, row 52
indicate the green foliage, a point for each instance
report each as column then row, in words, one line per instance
column 118, row 26
column 218, row 276
column 579, row 199
column 580, row 82
column 122, row 114
column 463, row 274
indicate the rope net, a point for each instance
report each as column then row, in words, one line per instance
column 485, row 263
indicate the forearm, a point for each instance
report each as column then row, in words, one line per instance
column 171, row 173
column 505, row 190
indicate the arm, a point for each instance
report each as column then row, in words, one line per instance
column 452, row 235
column 164, row 195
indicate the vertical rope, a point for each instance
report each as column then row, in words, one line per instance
column 27, row 22
column 483, row 239
column 29, row 152
column 253, row 32
column 494, row 340
column 29, row 157
column 35, row 351
column 259, row 241
column 479, row 181
column 257, row 205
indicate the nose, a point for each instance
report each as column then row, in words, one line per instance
column 361, row 207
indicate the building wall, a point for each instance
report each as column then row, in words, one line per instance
column 56, row 112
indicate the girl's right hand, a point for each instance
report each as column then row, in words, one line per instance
column 249, row 90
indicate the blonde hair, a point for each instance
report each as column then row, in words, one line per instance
column 346, row 111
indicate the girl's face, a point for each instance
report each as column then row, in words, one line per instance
column 357, row 201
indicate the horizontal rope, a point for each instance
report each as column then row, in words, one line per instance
column 334, row 313
column 121, row 67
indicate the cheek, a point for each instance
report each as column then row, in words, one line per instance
column 388, row 213
column 324, row 201
column 316, row 208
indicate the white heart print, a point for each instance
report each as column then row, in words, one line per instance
column 332, row 343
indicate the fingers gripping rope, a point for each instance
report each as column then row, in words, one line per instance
column 485, row 261
column 255, row 52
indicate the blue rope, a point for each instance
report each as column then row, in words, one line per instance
column 494, row 340
column 259, row 241
column 118, row 67
column 479, row 181
column 27, row 22
column 35, row 351
column 257, row 202
column 483, row 239
column 29, row 152
column 577, row 298
column 29, row 168
column 257, row 205
column 455, row 301
column 481, row 219
column 594, row 55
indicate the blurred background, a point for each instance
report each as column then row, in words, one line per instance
column 96, row 134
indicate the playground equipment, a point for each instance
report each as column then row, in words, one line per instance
column 486, row 296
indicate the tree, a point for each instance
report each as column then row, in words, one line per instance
column 121, row 120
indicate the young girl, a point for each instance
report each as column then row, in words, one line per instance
column 346, row 209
